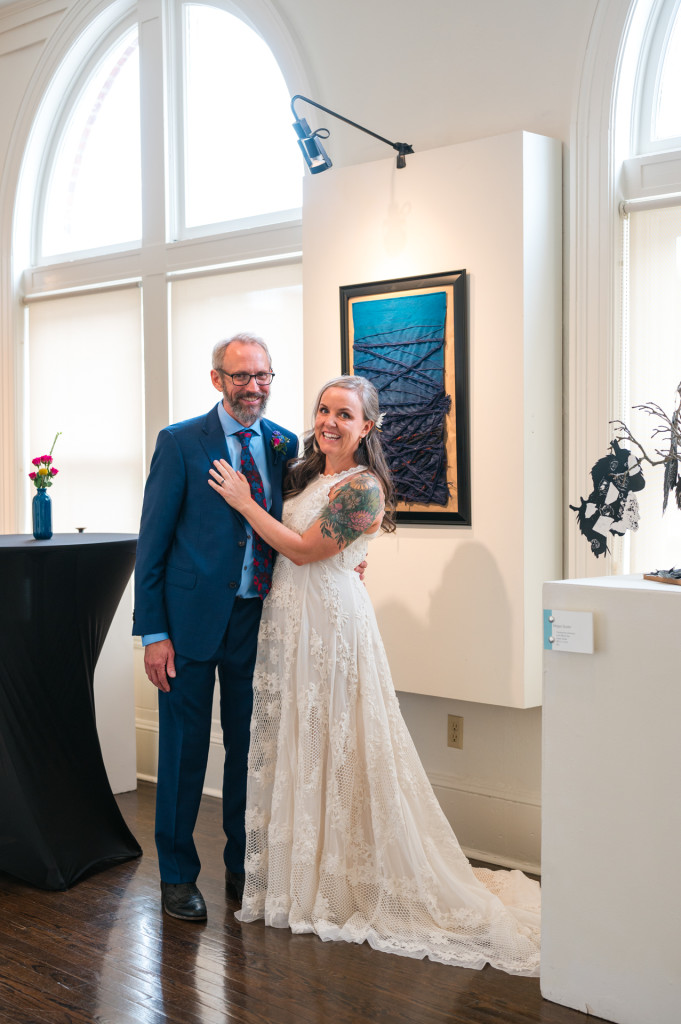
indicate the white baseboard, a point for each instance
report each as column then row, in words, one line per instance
column 499, row 860
column 483, row 789
column 493, row 825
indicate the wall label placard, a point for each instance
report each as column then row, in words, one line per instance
column 568, row 631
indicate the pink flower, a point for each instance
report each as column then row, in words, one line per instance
column 360, row 520
column 45, row 469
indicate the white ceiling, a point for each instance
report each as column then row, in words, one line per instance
column 432, row 73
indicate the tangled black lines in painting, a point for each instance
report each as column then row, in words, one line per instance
column 413, row 442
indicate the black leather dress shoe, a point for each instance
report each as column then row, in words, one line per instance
column 183, row 901
column 234, row 884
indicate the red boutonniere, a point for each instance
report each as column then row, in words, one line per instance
column 279, row 443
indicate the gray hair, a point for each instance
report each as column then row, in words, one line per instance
column 220, row 347
column 362, row 387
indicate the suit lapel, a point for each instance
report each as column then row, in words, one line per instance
column 213, row 442
column 212, row 438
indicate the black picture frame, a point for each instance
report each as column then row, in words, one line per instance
column 377, row 344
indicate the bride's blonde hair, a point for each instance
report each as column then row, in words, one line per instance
column 370, row 452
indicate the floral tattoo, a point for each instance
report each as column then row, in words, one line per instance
column 352, row 510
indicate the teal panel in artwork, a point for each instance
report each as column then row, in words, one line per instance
column 398, row 343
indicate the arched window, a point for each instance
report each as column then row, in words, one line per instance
column 651, row 269
column 161, row 193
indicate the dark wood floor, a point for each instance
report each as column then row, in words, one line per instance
column 103, row 952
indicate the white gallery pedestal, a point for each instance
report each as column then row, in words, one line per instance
column 611, row 805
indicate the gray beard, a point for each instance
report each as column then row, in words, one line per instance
column 243, row 414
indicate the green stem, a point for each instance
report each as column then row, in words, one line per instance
column 55, row 441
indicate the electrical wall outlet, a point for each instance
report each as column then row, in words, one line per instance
column 455, row 731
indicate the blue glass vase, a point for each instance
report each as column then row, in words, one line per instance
column 42, row 515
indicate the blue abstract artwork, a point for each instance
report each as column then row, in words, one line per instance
column 399, row 344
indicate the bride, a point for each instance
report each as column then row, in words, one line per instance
column 345, row 837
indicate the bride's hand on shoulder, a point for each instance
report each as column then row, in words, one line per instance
column 232, row 486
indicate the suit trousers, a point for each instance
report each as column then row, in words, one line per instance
column 185, row 714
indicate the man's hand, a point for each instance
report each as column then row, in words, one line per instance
column 159, row 663
column 361, row 569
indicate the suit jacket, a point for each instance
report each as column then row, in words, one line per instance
column 191, row 544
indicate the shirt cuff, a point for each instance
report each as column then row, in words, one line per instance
column 153, row 638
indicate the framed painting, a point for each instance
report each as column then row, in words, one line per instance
column 409, row 337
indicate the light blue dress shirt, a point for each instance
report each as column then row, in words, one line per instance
column 257, row 447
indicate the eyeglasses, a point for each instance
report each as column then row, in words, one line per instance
column 242, row 379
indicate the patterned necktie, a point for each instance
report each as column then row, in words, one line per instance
column 262, row 552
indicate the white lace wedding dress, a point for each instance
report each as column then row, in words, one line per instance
column 345, row 836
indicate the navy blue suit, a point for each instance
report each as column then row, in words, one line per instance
column 190, row 556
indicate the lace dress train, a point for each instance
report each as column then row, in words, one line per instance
column 345, row 837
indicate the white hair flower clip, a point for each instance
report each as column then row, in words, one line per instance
column 379, row 421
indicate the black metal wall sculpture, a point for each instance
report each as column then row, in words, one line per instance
column 611, row 508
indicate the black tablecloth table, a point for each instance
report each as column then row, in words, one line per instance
column 58, row 817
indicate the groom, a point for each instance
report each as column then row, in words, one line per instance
column 200, row 578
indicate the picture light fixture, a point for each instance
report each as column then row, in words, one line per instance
column 315, row 155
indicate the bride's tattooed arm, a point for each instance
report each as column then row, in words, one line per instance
column 355, row 507
column 352, row 510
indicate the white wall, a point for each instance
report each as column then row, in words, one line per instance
column 431, row 74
